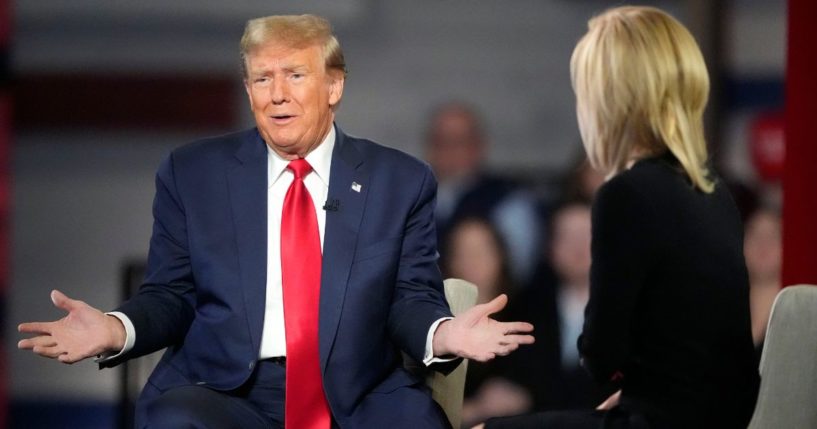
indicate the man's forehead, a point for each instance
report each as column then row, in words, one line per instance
column 279, row 55
column 284, row 50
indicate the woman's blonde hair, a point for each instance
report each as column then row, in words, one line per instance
column 641, row 87
column 297, row 31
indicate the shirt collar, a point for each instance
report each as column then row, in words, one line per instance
column 320, row 158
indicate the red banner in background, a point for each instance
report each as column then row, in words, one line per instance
column 767, row 145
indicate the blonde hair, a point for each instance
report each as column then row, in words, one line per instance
column 297, row 31
column 641, row 87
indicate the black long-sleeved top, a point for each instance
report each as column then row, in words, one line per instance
column 668, row 316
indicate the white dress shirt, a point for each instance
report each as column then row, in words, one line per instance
column 279, row 177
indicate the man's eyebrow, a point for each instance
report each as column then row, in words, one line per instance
column 296, row 68
column 260, row 71
column 286, row 68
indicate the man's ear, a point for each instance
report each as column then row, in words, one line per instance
column 336, row 89
column 247, row 88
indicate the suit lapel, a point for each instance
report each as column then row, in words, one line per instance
column 247, row 181
column 348, row 185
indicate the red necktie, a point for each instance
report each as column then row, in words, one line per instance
column 306, row 406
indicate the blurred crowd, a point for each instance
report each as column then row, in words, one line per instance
column 507, row 234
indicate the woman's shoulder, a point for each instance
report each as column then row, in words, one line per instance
column 657, row 168
column 630, row 183
column 624, row 198
column 652, row 188
column 654, row 178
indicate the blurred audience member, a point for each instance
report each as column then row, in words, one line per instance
column 581, row 180
column 570, row 258
column 477, row 254
column 456, row 148
column 549, row 369
column 763, row 250
column 745, row 196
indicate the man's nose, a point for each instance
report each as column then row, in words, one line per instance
column 280, row 94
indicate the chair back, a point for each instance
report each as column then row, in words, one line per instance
column 448, row 390
column 788, row 365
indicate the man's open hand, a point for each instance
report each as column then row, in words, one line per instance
column 82, row 333
column 474, row 335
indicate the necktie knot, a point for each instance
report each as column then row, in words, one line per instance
column 299, row 167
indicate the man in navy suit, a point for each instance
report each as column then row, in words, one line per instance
column 213, row 290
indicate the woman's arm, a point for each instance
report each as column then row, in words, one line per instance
column 622, row 250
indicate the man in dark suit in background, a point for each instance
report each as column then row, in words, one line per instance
column 456, row 145
column 260, row 295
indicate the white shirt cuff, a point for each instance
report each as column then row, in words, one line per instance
column 429, row 357
column 130, row 337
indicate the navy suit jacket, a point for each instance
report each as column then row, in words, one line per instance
column 204, row 291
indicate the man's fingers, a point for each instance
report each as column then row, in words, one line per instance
column 35, row 328
column 50, row 352
column 41, row 341
column 517, row 339
column 516, row 327
column 62, row 301
column 69, row 359
column 495, row 305
column 505, row 350
column 483, row 357
column 480, row 356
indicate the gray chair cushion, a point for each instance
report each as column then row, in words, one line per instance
column 788, row 366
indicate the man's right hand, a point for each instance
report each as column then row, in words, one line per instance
column 84, row 332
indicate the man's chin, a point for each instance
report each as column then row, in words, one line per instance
column 286, row 148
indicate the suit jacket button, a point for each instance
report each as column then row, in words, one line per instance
column 251, row 365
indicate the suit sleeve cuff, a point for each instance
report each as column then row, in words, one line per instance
column 428, row 357
column 130, row 338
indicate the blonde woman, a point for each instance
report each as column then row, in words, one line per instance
column 668, row 321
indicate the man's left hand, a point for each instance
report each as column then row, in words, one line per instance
column 474, row 335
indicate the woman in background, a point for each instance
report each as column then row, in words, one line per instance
column 668, row 317
column 476, row 253
column 763, row 249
